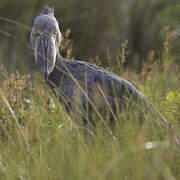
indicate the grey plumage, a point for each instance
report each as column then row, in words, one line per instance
column 77, row 81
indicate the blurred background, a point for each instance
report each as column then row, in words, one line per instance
column 95, row 29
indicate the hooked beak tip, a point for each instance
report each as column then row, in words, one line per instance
column 45, row 74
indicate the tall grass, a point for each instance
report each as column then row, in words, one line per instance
column 39, row 140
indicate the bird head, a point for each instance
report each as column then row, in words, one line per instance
column 45, row 39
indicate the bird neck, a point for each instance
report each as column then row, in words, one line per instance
column 57, row 73
column 59, row 57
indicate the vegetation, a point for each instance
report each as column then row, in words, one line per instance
column 98, row 28
column 40, row 140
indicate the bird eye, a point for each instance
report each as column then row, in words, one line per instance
column 54, row 33
column 36, row 33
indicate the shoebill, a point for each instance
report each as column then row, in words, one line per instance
column 79, row 85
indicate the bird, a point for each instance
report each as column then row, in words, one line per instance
column 78, row 84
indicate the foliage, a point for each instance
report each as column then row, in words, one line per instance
column 39, row 140
column 97, row 27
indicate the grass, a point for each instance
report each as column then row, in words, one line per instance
column 39, row 140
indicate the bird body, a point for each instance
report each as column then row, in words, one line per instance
column 68, row 73
column 82, row 84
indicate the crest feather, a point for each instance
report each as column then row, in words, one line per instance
column 47, row 10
